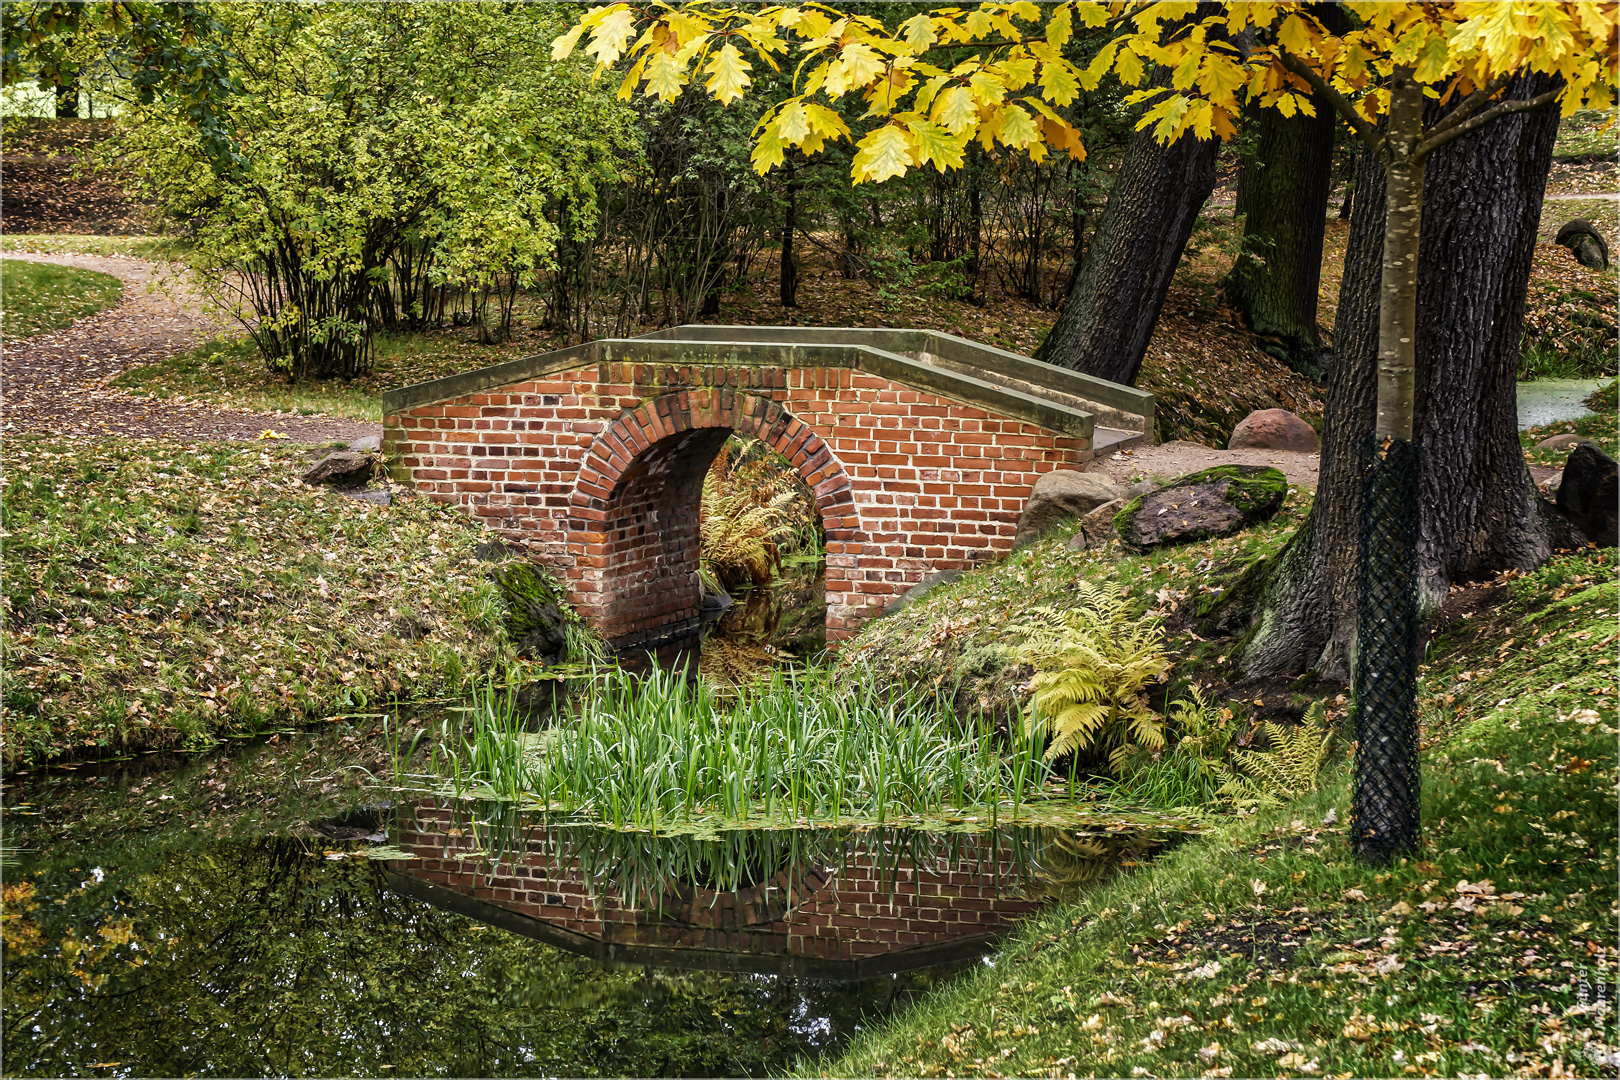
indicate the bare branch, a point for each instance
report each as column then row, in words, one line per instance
column 1473, row 103
column 1341, row 104
column 1434, row 141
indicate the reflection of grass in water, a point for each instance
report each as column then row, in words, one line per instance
column 657, row 871
column 646, row 752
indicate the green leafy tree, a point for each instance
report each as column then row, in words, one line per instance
column 362, row 129
column 175, row 56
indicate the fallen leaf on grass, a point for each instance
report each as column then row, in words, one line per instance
column 1276, row 1046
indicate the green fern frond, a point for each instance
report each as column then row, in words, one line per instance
column 1293, row 765
column 1093, row 663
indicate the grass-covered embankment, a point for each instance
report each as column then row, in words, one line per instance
column 39, row 297
column 1263, row 947
column 160, row 595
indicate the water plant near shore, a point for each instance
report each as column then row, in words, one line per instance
column 649, row 751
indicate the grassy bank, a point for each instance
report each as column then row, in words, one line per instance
column 1602, row 427
column 230, row 371
column 38, row 297
column 1263, row 947
column 160, row 596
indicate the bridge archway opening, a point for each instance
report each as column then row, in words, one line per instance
column 641, row 538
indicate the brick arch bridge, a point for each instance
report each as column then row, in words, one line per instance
column 920, row 448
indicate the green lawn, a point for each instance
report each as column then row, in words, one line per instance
column 160, row 600
column 1263, row 948
column 141, row 247
column 37, row 297
column 230, row 371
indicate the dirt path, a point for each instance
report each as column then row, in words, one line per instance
column 1180, row 458
column 56, row 383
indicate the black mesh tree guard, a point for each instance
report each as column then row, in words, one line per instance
column 1384, row 822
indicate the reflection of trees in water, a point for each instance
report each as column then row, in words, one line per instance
column 264, row 957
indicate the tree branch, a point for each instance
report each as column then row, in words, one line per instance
column 1341, row 104
column 1473, row 103
column 1434, row 140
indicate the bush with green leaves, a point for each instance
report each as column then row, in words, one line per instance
column 371, row 135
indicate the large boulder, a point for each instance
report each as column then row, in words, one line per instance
column 345, row 468
column 1274, row 429
column 1059, row 497
column 1588, row 495
column 1215, row 502
column 1566, row 441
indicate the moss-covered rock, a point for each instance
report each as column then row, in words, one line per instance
column 1214, row 502
column 538, row 615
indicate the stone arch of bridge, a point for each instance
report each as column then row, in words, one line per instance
column 633, row 534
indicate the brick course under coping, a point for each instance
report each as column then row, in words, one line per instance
column 598, row 470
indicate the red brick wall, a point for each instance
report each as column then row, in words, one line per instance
column 832, row 913
column 597, row 470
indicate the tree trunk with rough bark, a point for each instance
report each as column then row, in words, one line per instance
column 1479, row 510
column 1284, row 186
column 1114, row 303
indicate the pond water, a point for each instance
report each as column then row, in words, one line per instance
column 464, row 939
column 1546, row 401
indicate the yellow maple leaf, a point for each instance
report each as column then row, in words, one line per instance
column 1295, row 36
column 884, row 152
column 1016, row 127
column 607, row 40
column 1060, row 27
column 769, row 146
column 918, row 32
column 793, row 123
column 563, row 46
column 665, row 76
column 856, row 65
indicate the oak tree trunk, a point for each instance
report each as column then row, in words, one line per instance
column 1479, row 510
column 1284, row 186
column 1114, row 303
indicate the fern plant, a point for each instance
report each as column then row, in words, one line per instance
column 1093, row 665
column 740, row 538
column 1291, row 768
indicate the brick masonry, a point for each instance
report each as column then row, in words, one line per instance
column 598, row 469
column 849, row 913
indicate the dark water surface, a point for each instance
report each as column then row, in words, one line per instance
column 465, row 940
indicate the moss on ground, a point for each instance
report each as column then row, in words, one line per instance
column 1264, row 948
column 160, row 595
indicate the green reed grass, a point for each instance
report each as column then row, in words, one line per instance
column 641, row 751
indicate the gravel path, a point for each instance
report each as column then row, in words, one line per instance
column 56, row 383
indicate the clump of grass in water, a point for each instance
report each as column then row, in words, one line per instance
column 640, row 752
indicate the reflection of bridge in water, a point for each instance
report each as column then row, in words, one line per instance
column 834, row 904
